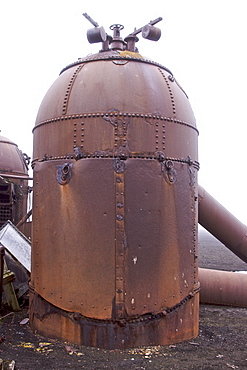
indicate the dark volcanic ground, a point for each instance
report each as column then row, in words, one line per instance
column 221, row 344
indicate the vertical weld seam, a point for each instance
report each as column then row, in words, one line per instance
column 69, row 88
column 164, row 137
column 157, row 135
column 119, row 243
column 194, row 227
column 75, row 135
column 82, row 134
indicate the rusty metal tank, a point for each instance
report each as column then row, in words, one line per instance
column 114, row 254
column 13, row 182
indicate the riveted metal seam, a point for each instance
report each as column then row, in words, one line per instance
column 193, row 196
column 120, row 114
column 149, row 156
column 69, row 88
column 164, row 136
column 128, row 320
column 120, row 243
column 115, row 57
column 170, row 91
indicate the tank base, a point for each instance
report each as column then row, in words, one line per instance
column 50, row 321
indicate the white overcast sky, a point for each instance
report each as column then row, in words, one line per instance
column 203, row 43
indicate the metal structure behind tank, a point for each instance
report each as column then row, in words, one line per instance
column 114, row 255
column 13, row 182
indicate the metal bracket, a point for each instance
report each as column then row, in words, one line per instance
column 170, row 175
column 64, row 173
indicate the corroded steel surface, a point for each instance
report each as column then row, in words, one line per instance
column 179, row 324
column 114, row 207
column 222, row 224
column 78, row 272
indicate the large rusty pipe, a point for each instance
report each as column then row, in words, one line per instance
column 222, row 224
column 223, row 287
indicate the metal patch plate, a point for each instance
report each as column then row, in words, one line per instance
column 74, row 237
column 160, row 255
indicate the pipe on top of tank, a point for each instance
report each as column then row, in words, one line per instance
column 98, row 34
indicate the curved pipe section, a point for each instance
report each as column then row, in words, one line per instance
column 223, row 287
column 222, row 224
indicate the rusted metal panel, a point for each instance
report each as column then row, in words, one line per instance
column 73, row 257
column 124, row 81
column 158, row 275
column 186, row 139
column 175, row 326
column 125, row 210
column 111, row 133
column 90, row 133
column 53, row 102
column 135, row 87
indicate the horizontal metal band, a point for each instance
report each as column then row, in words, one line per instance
column 128, row 320
column 98, row 57
column 104, row 155
column 114, row 114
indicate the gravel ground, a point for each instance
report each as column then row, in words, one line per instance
column 221, row 343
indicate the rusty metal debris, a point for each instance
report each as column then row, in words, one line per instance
column 17, row 262
column 7, row 364
column 16, row 244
